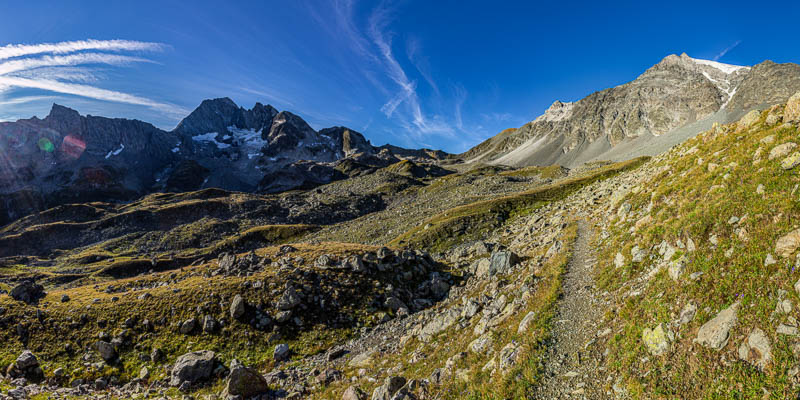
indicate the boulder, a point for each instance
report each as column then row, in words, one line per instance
column 27, row 292
column 657, row 340
column 792, row 111
column 26, row 361
column 791, row 161
column 502, row 262
column 237, row 307
column 193, row 367
column 781, row 150
column 244, row 381
column 715, row 333
column 188, row 326
column 526, row 322
column 289, row 300
column 106, row 350
column 281, row 352
column 749, row 119
column 354, row 393
column 756, row 349
column 787, row 244
column 390, row 387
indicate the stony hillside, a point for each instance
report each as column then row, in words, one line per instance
column 669, row 103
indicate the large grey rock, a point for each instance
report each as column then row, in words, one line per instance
column 792, row 111
column 26, row 360
column 244, row 381
column 389, row 388
column 289, row 299
column 106, row 350
column 281, row 352
column 502, row 262
column 237, row 307
column 716, row 332
column 27, row 292
column 193, row 367
column 354, row 393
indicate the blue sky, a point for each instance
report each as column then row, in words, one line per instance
column 441, row 74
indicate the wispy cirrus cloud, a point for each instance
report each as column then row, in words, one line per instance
column 729, row 48
column 72, row 68
column 420, row 124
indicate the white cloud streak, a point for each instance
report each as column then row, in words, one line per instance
column 729, row 48
column 19, row 50
column 53, row 67
column 377, row 29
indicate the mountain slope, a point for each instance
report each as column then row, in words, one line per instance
column 670, row 102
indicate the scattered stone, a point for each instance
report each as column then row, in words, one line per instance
column 687, row 313
column 638, row 254
column 749, row 119
column 791, row 161
column 354, row 393
column 781, row 150
column 390, row 387
column 237, row 307
column 784, row 329
column 281, row 352
column 193, row 367
column 792, row 111
column 502, row 262
column 769, row 260
column 289, row 300
column 716, row 332
column 64, row 298
column 244, row 381
column 526, row 322
column 657, row 340
column 788, row 243
column 760, row 189
column 756, row 349
column 619, row 260
column 106, row 350
column 28, row 292
column 188, row 326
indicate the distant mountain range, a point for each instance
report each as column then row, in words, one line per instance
column 670, row 102
column 70, row 158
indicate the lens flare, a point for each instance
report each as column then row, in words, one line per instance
column 73, row 146
column 46, row 145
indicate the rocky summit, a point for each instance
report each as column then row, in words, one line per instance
column 246, row 255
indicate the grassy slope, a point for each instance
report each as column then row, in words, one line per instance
column 475, row 219
column 691, row 199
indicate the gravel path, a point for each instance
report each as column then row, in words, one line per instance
column 571, row 366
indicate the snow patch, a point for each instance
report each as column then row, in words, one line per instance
column 115, row 152
column 725, row 68
column 210, row 137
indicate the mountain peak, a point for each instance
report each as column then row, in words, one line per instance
column 63, row 113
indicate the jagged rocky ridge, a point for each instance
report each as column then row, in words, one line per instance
column 69, row 158
column 669, row 103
